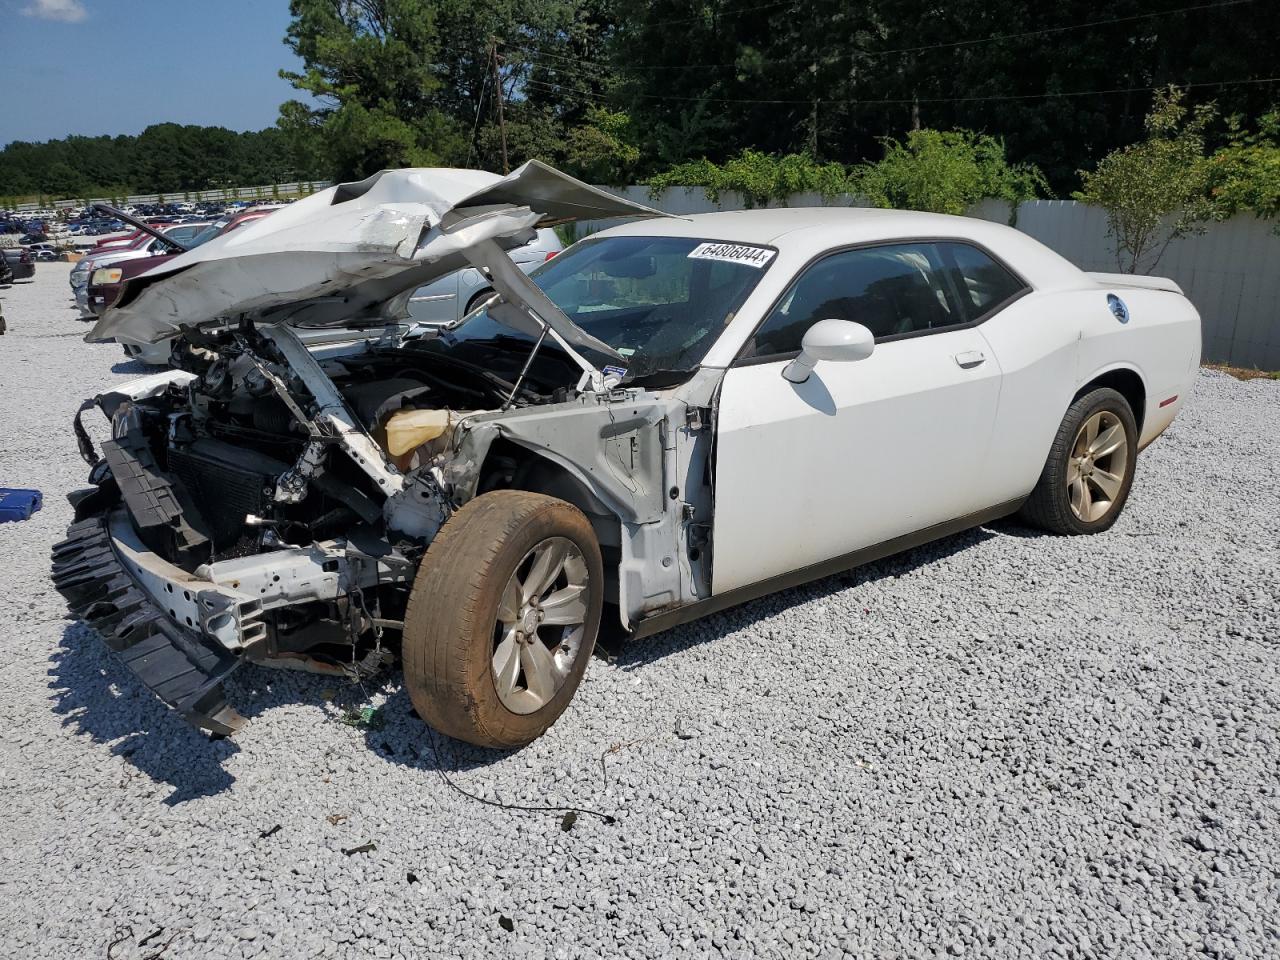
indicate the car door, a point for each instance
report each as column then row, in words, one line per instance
column 437, row 302
column 1036, row 341
column 861, row 452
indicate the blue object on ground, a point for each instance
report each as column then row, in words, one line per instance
column 16, row 504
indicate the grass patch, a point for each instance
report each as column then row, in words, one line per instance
column 1244, row 373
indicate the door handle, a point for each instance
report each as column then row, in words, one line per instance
column 970, row 359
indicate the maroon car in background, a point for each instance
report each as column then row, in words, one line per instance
column 106, row 282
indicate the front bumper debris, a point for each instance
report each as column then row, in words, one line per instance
column 182, row 667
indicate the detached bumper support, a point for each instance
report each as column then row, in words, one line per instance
column 182, row 668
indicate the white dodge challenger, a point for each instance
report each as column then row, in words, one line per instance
column 673, row 416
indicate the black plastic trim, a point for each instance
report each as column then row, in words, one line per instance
column 184, row 669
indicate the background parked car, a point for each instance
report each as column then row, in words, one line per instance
column 454, row 296
column 20, row 262
column 145, row 247
column 105, row 281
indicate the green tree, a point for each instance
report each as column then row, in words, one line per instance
column 370, row 65
column 1158, row 189
column 602, row 150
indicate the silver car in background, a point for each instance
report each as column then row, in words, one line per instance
column 454, row 296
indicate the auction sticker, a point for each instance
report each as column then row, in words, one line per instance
column 733, row 253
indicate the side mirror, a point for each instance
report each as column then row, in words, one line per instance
column 837, row 340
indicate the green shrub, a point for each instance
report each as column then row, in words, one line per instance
column 760, row 177
column 1245, row 174
column 946, row 171
column 1158, row 189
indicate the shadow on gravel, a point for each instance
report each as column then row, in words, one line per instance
column 636, row 655
column 98, row 697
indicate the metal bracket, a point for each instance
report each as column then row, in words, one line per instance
column 333, row 411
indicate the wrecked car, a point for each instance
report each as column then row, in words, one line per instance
column 673, row 416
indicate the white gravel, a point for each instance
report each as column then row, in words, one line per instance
column 1005, row 744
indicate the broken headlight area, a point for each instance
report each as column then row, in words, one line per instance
column 260, row 506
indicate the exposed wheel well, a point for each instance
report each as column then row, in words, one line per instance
column 511, row 466
column 1128, row 384
column 474, row 302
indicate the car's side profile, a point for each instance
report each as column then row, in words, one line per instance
column 454, row 295
column 671, row 417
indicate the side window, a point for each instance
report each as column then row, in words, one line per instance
column 982, row 283
column 892, row 289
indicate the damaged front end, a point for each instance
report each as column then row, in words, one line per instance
column 271, row 501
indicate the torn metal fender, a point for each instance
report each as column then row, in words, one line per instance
column 613, row 447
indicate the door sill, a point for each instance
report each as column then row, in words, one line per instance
column 785, row 581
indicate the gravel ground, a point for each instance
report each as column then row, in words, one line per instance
column 1004, row 744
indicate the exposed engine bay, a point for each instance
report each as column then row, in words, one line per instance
column 272, row 499
column 238, row 457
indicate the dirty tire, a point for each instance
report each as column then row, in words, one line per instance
column 1049, row 506
column 449, row 631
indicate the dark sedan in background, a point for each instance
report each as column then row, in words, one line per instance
column 20, row 262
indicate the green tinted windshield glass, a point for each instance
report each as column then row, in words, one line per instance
column 661, row 302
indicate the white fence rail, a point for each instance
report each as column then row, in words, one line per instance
column 1231, row 272
column 264, row 192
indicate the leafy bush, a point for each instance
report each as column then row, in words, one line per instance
column 941, row 171
column 946, row 171
column 1158, row 189
column 760, row 177
column 1245, row 174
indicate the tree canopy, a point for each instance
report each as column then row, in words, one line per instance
column 626, row 89
column 164, row 158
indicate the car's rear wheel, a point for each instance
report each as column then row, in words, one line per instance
column 503, row 617
column 478, row 299
column 1087, row 477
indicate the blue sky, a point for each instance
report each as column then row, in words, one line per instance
column 115, row 66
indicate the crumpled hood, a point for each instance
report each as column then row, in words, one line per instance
column 353, row 253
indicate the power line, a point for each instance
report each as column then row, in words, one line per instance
column 580, row 61
column 720, row 15
column 598, row 98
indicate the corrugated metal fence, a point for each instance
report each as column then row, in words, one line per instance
column 1231, row 272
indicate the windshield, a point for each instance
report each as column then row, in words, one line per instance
column 661, row 302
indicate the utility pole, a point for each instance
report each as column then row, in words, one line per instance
column 497, row 83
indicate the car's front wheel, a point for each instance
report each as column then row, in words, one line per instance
column 1086, row 479
column 503, row 617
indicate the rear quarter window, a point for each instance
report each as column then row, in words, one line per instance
column 983, row 284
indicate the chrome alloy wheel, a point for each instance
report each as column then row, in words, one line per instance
column 540, row 625
column 1096, row 468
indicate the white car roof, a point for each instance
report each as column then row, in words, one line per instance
column 808, row 231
